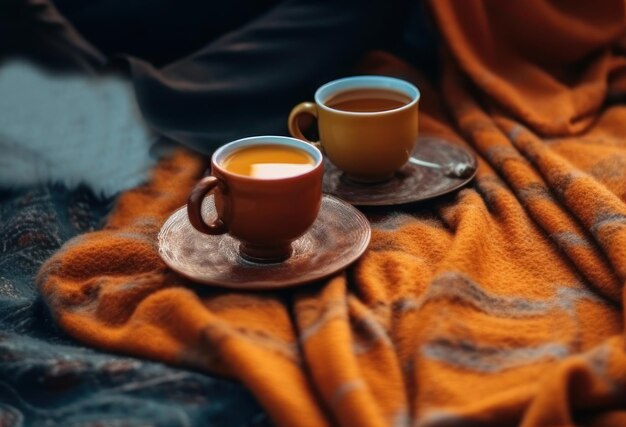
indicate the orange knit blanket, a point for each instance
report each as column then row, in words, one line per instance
column 500, row 305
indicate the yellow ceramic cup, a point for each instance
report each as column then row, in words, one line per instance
column 366, row 146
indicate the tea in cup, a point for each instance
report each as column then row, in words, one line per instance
column 268, row 192
column 367, row 125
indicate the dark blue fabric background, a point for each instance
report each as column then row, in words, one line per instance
column 47, row 379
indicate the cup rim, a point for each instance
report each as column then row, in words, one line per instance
column 228, row 148
column 367, row 82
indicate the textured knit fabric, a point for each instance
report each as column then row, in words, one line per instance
column 499, row 305
column 47, row 379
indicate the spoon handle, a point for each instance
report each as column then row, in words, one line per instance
column 420, row 162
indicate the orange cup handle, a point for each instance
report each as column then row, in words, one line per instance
column 294, row 129
column 194, row 206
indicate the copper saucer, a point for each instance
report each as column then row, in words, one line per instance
column 338, row 237
column 412, row 183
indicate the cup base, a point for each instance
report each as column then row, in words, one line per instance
column 367, row 180
column 264, row 254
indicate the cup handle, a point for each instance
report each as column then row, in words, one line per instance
column 194, row 206
column 294, row 129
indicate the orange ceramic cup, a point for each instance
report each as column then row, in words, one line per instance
column 366, row 146
column 265, row 214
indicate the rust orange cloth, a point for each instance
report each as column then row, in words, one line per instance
column 500, row 305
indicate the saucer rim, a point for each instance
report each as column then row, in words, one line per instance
column 268, row 285
column 396, row 202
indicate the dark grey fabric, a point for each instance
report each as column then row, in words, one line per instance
column 206, row 73
column 48, row 379
column 246, row 82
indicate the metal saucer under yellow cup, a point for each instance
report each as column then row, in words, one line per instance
column 368, row 146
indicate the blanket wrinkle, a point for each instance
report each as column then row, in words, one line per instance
column 499, row 305
column 548, row 63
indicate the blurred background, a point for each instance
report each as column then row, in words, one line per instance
column 93, row 92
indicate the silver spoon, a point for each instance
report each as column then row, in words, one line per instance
column 452, row 170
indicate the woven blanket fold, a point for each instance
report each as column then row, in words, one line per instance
column 500, row 305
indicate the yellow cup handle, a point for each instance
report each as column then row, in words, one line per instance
column 294, row 129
